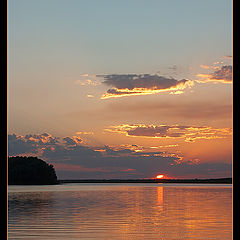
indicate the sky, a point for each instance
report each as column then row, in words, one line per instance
column 122, row 89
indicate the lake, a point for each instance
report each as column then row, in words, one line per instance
column 120, row 211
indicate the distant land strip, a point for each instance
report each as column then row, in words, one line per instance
column 216, row 180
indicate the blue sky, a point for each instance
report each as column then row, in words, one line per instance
column 119, row 36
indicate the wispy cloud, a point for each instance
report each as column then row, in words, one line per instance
column 86, row 79
column 204, row 66
column 87, row 82
column 141, row 84
column 84, row 133
column 188, row 133
column 228, row 57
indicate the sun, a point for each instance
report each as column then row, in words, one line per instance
column 160, row 176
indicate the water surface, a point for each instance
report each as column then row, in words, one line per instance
column 121, row 211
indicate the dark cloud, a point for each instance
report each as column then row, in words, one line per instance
column 18, row 145
column 80, row 161
column 140, row 84
column 69, row 141
column 30, row 143
column 115, row 91
column 224, row 75
column 160, row 131
column 131, row 81
column 110, row 151
column 213, row 170
column 145, row 166
column 62, row 152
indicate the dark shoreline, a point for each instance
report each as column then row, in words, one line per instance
column 216, row 180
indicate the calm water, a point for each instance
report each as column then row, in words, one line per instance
column 120, row 211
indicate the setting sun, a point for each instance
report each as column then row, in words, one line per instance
column 160, row 176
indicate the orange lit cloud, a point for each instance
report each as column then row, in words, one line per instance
column 176, row 92
column 39, row 138
column 142, row 84
column 223, row 75
column 188, row 133
column 84, row 133
column 204, row 66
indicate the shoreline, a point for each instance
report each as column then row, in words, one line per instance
column 214, row 181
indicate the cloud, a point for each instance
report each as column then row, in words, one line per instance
column 86, row 79
column 30, row 143
column 228, row 57
column 108, row 162
column 204, row 66
column 201, row 170
column 84, row 133
column 223, row 75
column 36, row 143
column 18, row 145
column 177, row 92
column 78, row 161
column 129, row 164
column 87, row 82
column 188, row 133
column 65, row 152
column 140, row 84
column 69, row 141
column 77, row 139
column 41, row 139
column 112, row 152
column 72, row 141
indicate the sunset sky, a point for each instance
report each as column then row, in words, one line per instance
column 122, row 89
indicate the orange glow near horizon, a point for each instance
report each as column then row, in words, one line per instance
column 160, row 176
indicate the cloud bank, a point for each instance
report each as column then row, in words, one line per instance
column 73, row 160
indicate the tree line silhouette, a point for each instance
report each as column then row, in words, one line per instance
column 30, row 171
